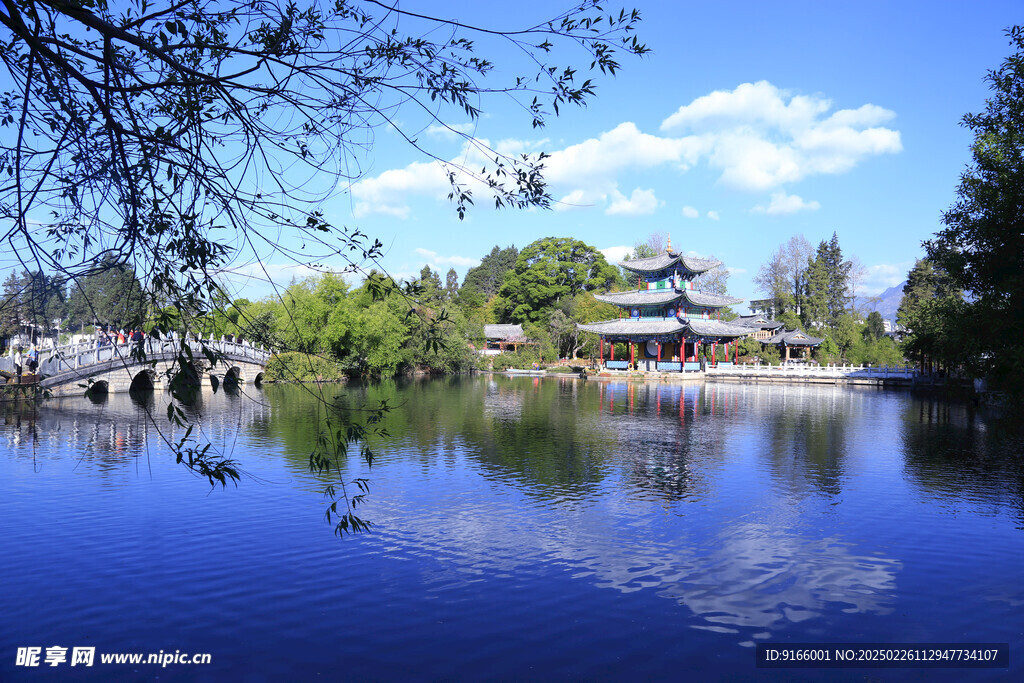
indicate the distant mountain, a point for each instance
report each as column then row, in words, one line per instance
column 888, row 302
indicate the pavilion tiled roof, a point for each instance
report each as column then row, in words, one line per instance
column 707, row 299
column 793, row 338
column 758, row 322
column 657, row 297
column 641, row 297
column 717, row 328
column 662, row 326
column 653, row 264
column 634, row 326
column 504, row 332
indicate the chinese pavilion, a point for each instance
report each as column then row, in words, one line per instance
column 666, row 320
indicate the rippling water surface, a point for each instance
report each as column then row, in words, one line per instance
column 524, row 528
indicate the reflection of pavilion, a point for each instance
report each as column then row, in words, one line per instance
column 667, row 318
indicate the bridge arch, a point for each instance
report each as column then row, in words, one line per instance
column 232, row 378
column 98, row 388
column 143, row 381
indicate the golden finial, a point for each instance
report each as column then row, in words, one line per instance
column 668, row 249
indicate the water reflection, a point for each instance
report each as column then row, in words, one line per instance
column 753, row 511
column 104, row 432
column 952, row 453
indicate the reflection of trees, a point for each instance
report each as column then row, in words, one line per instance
column 539, row 433
column 805, row 432
column 666, row 441
column 951, row 452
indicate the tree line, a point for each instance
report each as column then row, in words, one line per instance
column 964, row 302
column 814, row 290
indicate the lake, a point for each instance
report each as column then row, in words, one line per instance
column 525, row 528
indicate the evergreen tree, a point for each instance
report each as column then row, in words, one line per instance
column 451, row 284
column 929, row 297
column 814, row 312
column 838, row 272
column 483, row 281
column 433, row 293
column 10, row 306
column 874, row 327
column 982, row 246
column 827, row 286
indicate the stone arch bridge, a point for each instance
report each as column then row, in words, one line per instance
column 76, row 369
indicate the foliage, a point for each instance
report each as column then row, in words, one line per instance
column 550, row 270
column 524, row 358
column 32, row 298
column 749, row 348
column 981, row 249
column 827, row 352
column 714, row 280
column 783, row 278
column 483, row 281
column 827, row 285
column 641, row 250
column 770, row 355
column 874, row 326
column 302, row 367
column 176, row 140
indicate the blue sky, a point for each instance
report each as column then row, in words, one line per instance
column 748, row 123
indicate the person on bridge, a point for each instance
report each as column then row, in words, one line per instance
column 18, row 360
column 33, row 358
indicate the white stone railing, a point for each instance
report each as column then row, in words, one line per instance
column 817, row 371
column 77, row 356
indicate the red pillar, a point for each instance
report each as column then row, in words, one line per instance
column 714, row 347
column 602, row 349
column 659, row 352
column 613, row 350
column 632, row 352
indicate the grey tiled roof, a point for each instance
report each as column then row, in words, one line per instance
column 641, row 297
column 755, row 322
column 705, row 299
column 628, row 326
column 667, row 259
column 510, row 332
column 793, row 338
column 660, row 327
column 717, row 328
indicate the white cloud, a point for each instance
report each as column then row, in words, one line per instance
column 883, row 276
column 579, row 199
column 616, row 254
column 760, row 137
column 640, row 203
column 690, row 212
column 436, row 260
column 386, row 193
column 757, row 137
column 713, row 215
column 783, row 204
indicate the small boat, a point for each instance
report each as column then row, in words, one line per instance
column 528, row 373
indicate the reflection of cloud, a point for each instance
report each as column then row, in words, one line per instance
column 759, row 579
